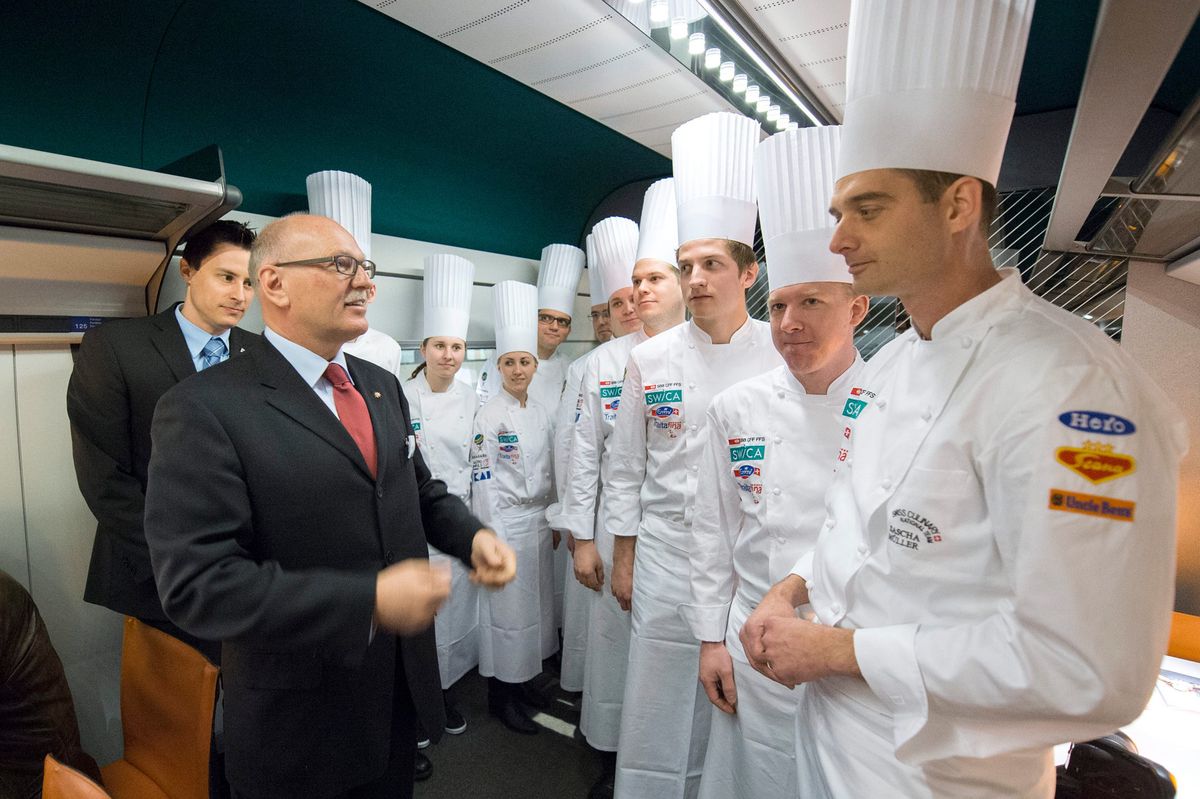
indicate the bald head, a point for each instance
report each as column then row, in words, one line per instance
column 310, row 304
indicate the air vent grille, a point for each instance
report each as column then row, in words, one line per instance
column 34, row 204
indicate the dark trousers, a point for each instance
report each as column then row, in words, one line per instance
column 396, row 782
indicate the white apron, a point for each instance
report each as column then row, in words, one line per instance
column 511, row 487
column 442, row 424
column 608, row 657
column 665, row 719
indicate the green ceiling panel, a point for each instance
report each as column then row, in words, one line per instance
column 456, row 152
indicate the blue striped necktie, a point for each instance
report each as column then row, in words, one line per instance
column 213, row 353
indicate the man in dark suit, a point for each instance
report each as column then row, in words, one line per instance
column 288, row 516
column 122, row 370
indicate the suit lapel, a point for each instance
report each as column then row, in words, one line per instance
column 373, row 394
column 296, row 399
column 168, row 339
column 239, row 340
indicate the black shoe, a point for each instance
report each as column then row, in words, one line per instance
column 527, row 694
column 604, row 787
column 423, row 769
column 456, row 724
column 513, row 717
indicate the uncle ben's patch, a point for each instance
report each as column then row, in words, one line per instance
column 1118, row 510
column 1096, row 462
column 746, row 456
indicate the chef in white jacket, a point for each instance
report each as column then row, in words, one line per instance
column 611, row 248
column 653, row 286
column 660, row 433
column 512, row 484
column 760, row 499
column 997, row 572
column 559, row 271
column 443, row 417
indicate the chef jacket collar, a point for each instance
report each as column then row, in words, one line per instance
column 512, row 401
column 980, row 310
column 741, row 335
column 840, row 385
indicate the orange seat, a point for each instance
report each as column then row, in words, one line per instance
column 64, row 782
column 168, row 690
column 1185, row 637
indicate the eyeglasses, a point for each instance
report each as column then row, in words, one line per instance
column 550, row 319
column 344, row 264
column 599, row 315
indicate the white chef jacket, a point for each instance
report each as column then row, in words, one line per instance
column 442, row 423
column 566, row 415
column 378, row 348
column 659, row 430
column 594, row 412
column 760, row 501
column 1001, row 533
column 546, row 386
column 510, row 458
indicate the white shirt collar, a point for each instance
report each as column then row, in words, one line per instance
column 310, row 365
column 196, row 337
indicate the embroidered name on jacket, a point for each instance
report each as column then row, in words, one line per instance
column 909, row 528
column 1096, row 462
column 664, row 407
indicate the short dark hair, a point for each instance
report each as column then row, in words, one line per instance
column 932, row 185
column 742, row 254
column 205, row 242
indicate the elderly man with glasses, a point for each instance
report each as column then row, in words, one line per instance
column 289, row 514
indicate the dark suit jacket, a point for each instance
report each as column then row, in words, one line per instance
column 122, row 370
column 267, row 532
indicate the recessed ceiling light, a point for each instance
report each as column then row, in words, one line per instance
column 764, row 102
column 773, row 113
column 679, row 28
column 696, row 44
column 752, row 93
column 739, row 83
column 659, row 10
column 726, row 73
column 712, row 58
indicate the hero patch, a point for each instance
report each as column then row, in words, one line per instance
column 746, row 456
column 1096, row 462
column 664, row 407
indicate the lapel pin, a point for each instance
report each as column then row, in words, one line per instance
column 377, row 395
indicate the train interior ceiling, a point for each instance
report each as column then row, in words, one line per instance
column 490, row 128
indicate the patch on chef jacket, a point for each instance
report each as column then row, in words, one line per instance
column 610, row 398
column 909, row 529
column 746, row 456
column 664, row 407
column 1098, row 422
column 1118, row 510
column 481, row 467
column 416, row 427
column 857, row 401
column 578, row 406
column 510, row 448
column 1096, row 462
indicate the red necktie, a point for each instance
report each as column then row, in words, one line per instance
column 352, row 410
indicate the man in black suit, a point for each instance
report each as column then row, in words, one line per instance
column 122, row 369
column 288, row 516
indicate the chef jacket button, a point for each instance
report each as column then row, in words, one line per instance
column 775, row 491
column 926, row 414
column 862, row 549
column 835, row 609
column 966, row 342
column 881, row 404
column 692, row 428
column 693, row 467
column 778, row 440
column 830, row 522
column 886, row 484
column 691, row 385
column 691, row 346
column 779, row 394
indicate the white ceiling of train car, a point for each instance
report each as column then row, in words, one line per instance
column 813, row 36
column 581, row 53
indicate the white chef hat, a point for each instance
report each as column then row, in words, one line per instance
column 595, row 279
column 344, row 198
column 558, row 277
column 932, row 85
column 658, row 233
column 616, row 240
column 516, row 308
column 713, row 164
column 794, row 177
column 447, row 293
